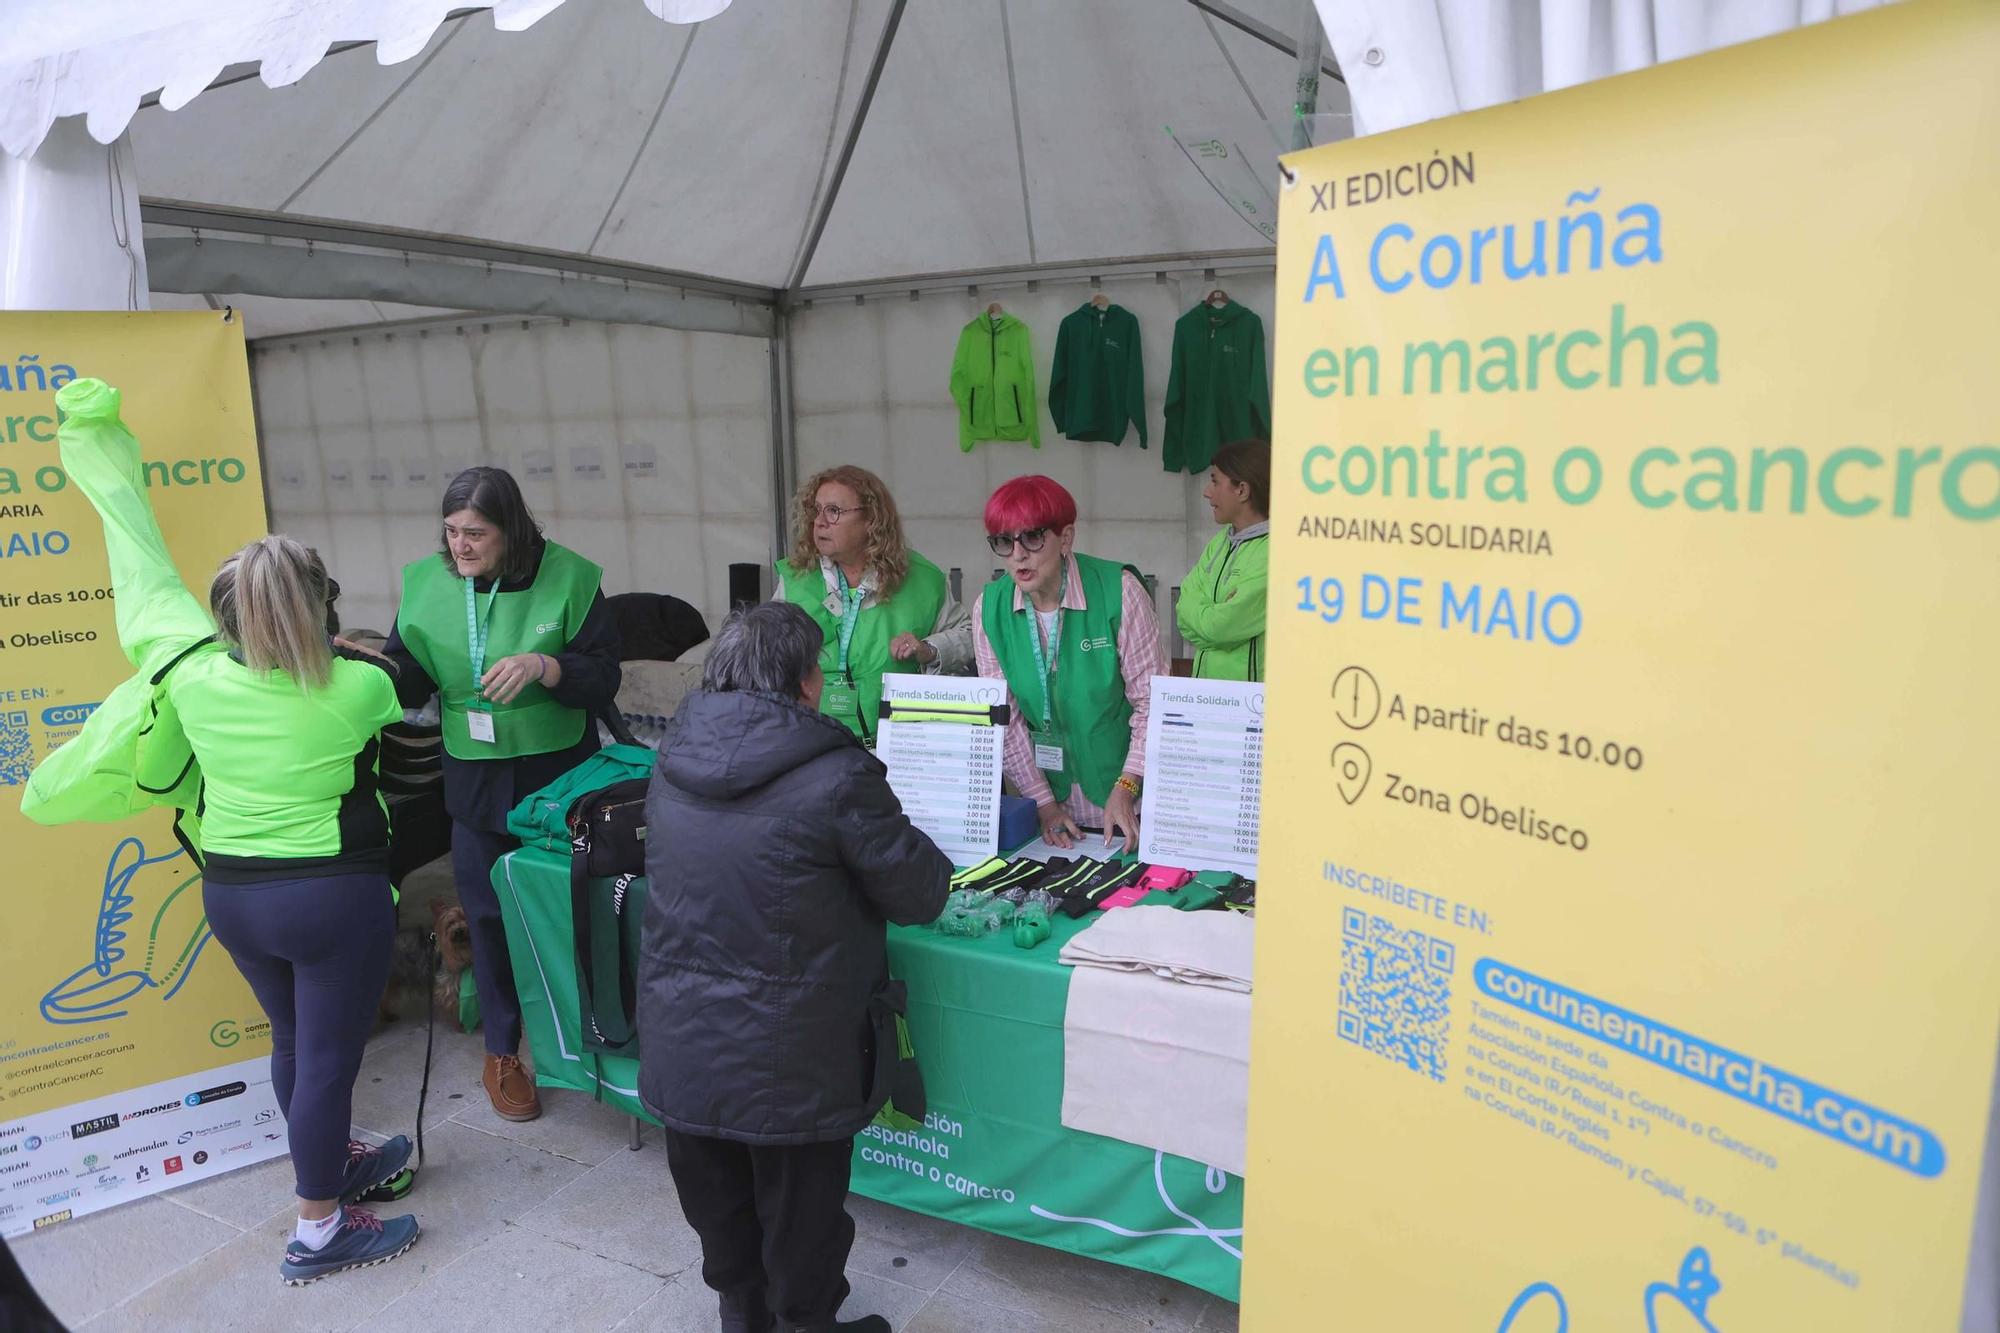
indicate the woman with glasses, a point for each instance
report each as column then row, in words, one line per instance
column 881, row 606
column 1079, row 643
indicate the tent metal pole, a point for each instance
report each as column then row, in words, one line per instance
column 1264, row 33
column 1312, row 45
column 784, row 435
column 1262, row 260
column 216, row 219
column 854, row 127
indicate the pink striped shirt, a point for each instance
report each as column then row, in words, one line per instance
column 1139, row 659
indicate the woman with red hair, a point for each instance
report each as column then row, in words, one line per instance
column 1078, row 641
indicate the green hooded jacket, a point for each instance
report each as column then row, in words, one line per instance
column 993, row 383
column 1218, row 390
column 1098, row 381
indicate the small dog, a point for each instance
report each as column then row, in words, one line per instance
column 412, row 982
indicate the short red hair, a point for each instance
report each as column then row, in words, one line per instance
column 1026, row 503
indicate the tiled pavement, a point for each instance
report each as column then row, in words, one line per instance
column 548, row 1226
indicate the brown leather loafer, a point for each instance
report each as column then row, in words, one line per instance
column 510, row 1089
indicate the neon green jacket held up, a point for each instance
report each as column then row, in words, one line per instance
column 131, row 754
column 1221, row 612
column 993, row 383
column 287, row 774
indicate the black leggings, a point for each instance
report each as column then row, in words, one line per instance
column 316, row 952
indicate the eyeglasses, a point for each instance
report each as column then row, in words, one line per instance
column 833, row 513
column 1034, row 539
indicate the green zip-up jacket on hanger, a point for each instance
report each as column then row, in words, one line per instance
column 1098, row 381
column 993, row 383
column 1219, row 391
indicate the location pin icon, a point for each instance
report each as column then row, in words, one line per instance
column 1351, row 770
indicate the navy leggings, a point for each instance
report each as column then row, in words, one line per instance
column 316, row 953
column 474, row 852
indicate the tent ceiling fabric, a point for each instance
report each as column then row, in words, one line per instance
column 61, row 58
column 706, row 148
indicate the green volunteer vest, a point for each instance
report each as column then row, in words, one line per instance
column 1091, row 710
column 912, row 610
column 540, row 618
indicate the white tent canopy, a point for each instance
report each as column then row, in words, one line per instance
column 1001, row 135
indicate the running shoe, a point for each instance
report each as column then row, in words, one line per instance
column 369, row 1165
column 361, row 1241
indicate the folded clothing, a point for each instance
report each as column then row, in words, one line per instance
column 1100, row 880
column 1200, row 948
column 1157, row 1063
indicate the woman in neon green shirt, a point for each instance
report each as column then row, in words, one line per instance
column 1221, row 612
column 277, row 736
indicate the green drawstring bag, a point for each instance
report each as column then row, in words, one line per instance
column 906, row 1054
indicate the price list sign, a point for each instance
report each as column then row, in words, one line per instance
column 946, row 772
column 1204, row 775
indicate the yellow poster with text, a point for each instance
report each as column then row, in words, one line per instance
column 132, row 1054
column 1628, row 954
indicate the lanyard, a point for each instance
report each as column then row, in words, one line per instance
column 1044, row 661
column 476, row 633
column 850, row 617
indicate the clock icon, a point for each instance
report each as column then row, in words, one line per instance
column 1357, row 699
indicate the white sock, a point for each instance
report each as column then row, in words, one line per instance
column 315, row 1234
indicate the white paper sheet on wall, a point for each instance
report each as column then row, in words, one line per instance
column 586, row 463
column 539, row 464
column 1204, row 775
column 417, row 473
column 340, row 474
column 641, row 460
column 946, row 774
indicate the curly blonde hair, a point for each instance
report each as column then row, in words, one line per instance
column 888, row 555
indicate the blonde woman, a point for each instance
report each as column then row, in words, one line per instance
column 280, row 735
column 881, row 606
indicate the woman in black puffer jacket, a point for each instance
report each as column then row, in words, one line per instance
column 777, row 854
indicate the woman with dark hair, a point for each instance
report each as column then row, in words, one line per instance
column 767, row 1034
column 511, row 632
column 1079, row 643
column 880, row 606
column 1221, row 612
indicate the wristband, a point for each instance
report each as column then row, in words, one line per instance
column 542, row 672
column 1126, row 782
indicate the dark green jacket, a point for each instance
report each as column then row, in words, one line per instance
column 1219, row 391
column 1098, row 382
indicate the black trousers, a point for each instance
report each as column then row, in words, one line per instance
column 474, row 853
column 316, row 954
column 770, row 1219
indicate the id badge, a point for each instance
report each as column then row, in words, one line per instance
column 1049, row 751
column 837, row 700
column 479, row 725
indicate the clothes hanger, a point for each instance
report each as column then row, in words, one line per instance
column 994, row 310
column 1218, row 298
column 1101, row 301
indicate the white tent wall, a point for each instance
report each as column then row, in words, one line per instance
column 870, row 387
column 645, row 449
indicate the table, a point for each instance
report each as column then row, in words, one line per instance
column 987, row 1022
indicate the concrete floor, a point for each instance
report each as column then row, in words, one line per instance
column 551, row 1225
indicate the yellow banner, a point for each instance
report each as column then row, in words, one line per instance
column 1627, row 959
column 112, row 985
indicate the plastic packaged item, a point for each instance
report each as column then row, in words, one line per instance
column 968, row 913
column 1031, row 925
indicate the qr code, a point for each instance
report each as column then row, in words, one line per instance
column 1395, row 991
column 17, row 756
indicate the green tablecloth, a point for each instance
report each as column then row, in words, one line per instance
column 987, row 1021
